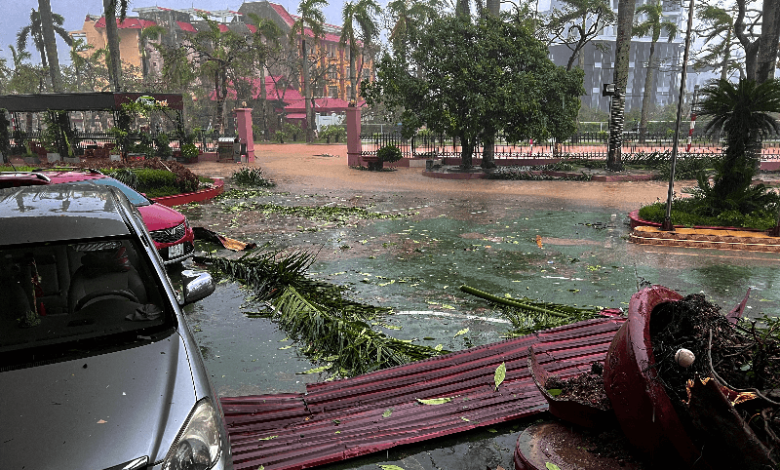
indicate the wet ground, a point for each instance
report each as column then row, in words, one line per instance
column 436, row 236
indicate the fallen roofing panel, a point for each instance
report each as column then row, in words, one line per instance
column 348, row 418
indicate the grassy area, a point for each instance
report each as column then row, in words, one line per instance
column 684, row 212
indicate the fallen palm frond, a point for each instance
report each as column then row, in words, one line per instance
column 528, row 316
column 349, row 343
column 331, row 328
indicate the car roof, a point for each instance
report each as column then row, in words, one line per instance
column 41, row 213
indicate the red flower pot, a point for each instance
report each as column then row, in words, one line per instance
column 638, row 398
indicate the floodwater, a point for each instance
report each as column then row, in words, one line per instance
column 486, row 235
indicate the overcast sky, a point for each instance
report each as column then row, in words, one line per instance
column 15, row 14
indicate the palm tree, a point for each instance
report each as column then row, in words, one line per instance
column 363, row 13
column 312, row 19
column 591, row 17
column 266, row 39
column 50, row 42
column 34, row 31
column 19, row 57
column 110, row 8
column 718, row 24
column 653, row 24
column 746, row 112
column 625, row 20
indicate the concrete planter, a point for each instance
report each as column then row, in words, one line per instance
column 31, row 160
column 72, row 160
column 53, row 157
column 115, row 158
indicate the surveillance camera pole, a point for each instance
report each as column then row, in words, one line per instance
column 667, row 223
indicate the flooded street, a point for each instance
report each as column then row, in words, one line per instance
column 420, row 240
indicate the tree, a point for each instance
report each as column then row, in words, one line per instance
column 653, row 24
column 716, row 27
column 746, row 112
column 225, row 58
column 110, row 8
column 579, row 23
column 267, row 44
column 479, row 78
column 407, row 18
column 50, row 43
column 150, row 33
column 625, row 21
column 761, row 54
column 34, row 32
column 363, row 13
column 311, row 19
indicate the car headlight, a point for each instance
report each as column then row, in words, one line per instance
column 198, row 445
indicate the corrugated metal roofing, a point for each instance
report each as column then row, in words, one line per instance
column 343, row 419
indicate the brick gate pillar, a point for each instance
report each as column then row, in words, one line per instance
column 354, row 146
column 245, row 134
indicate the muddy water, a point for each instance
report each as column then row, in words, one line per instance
column 480, row 233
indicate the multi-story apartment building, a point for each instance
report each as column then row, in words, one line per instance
column 139, row 55
column 600, row 60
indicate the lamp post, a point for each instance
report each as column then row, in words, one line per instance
column 667, row 223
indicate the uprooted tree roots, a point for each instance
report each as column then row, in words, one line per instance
column 742, row 357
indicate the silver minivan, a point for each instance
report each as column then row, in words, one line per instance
column 98, row 369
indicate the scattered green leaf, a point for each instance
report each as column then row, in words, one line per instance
column 554, row 392
column 387, row 413
column 435, row 401
column 499, row 375
column 267, row 438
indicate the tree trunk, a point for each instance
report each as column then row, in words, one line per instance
column 646, row 103
column 767, row 48
column 489, row 151
column 112, row 33
column 307, row 96
column 50, row 42
column 724, row 71
column 220, row 105
column 466, row 153
column 622, row 48
column 264, row 102
column 353, row 91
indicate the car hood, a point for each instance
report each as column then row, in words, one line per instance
column 97, row 412
column 158, row 217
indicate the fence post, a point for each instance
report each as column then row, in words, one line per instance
column 354, row 146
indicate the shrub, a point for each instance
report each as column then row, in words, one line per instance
column 161, row 142
column 689, row 212
column 126, row 176
column 389, row 154
column 279, row 136
column 189, row 152
column 334, row 133
column 251, row 177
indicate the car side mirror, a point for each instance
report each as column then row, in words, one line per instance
column 197, row 286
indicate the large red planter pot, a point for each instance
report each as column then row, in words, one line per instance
column 638, row 398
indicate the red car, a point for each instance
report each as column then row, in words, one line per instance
column 170, row 231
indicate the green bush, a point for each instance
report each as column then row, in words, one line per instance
column 389, row 154
column 189, row 151
column 279, row 136
column 251, row 177
column 161, row 142
column 333, row 133
column 687, row 212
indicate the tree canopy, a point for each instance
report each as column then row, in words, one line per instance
column 474, row 79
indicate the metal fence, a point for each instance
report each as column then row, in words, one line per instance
column 589, row 145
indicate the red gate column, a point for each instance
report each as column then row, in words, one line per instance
column 244, row 126
column 354, row 147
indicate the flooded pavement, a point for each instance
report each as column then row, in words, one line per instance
column 558, row 245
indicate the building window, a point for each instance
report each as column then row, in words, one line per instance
column 333, row 92
column 366, row 74
column 332, row 73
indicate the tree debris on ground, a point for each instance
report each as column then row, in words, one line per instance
column 330, row 328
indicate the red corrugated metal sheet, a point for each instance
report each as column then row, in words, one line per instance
column 343, row 419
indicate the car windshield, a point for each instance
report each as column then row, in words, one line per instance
column 136, row 198
column 82, row 296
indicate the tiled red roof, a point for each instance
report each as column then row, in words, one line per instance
column 252, row 28
column 289, row 95
column 283, row 13
column 344, row 419
column 186, row 27
column 128, row 23
column 223, row 28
